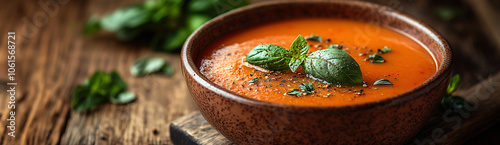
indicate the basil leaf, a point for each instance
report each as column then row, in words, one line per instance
column 314, row 38
column 453, row 85
column 128, row 17
column 456, row 103
column 253, row 80
column 382, row 82
column 146, row 66
column 123, row 98
column 269, row 56
column 92, row 26
column 307, row 87
column 298, row 50
column 194, row 21
column 294, row 92
column 375, row 58
column 170, row 41
column 333, row 66
column 167, row 70
column 384, row 50
column 101, row 87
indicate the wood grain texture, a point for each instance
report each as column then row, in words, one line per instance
column 443, row 128
column 56, row 57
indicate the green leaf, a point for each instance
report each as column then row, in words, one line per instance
column 92, row 26
column 456, row 103
column 171, row 41
column 298, row 51
column 382, row 82
column 122, row 98
column 453, row 85
column 195, row 20
column 307, row 87
column 167, row 70
column 269, row 56
column 314, row 38
column 101, row 87
column 254, row 80
column 294, row 92
column 128, row 17
column 333, row 66
column 333, row 46
column 146, row 66
column 375, row 58
column 383, row 50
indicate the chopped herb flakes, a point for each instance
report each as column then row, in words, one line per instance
column 384, row 50
column 294, row 92
column 375, row 58
column 382, row 82
column 308, row 88
column 254, row 80
column 314, row 38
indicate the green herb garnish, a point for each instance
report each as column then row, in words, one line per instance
column 314, row 38
column 375, row 58
column 253, row 80
column 308, row 88
column 384, row 50
column 145, row 66
column 334, row 66
column 455, row 102
column 269, row 56
column 330, row 65
column 101, row 87
column 169, row 22
column 294, row 92
column 298, row 50
column 382, row 82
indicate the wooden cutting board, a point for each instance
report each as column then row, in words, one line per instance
column 441, row 129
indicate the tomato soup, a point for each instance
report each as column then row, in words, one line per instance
column 407, row 65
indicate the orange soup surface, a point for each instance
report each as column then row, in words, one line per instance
column 407, row 65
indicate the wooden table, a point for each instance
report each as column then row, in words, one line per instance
column 52, row 57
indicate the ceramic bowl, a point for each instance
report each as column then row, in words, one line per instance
column 243, row 120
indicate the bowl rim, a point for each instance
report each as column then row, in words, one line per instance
column 187, row 61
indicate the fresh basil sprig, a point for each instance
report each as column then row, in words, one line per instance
column 314, row 38
column 298, row 49
column 331, row 65
column 101, row 87
column 167, row 22
column 308, row 88
column 269, row 56
column 334, row 66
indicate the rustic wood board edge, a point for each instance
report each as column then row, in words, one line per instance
column 194, row 129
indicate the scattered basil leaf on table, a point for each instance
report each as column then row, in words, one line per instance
column 101, row 87
column 308, row 88
column 453, row 85
column 454, row 102
column 298, row 51
column 269, row 56
column 375, row 58
column 145, row 66
column 384, row 50
column 314, row 38
column 334, row 66
column 294, row 92
column 168, row 22
column 382, row 82
column 92, row 26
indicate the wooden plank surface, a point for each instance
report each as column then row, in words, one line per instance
column 443, row 128
column 55, row 57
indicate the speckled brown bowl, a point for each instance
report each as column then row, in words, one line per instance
column 248, row 121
